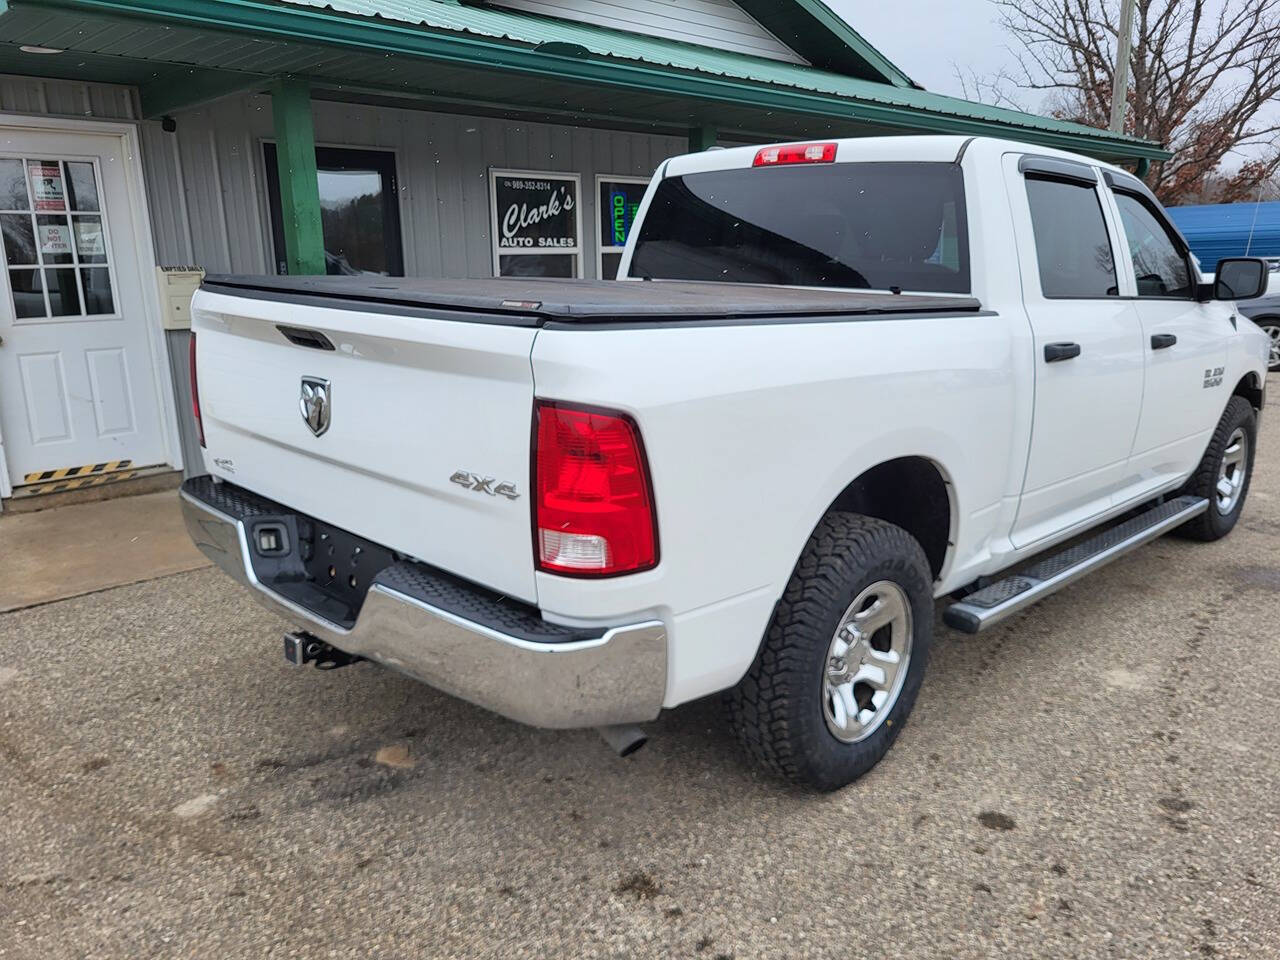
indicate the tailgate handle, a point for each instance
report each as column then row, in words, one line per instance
column 306, row 338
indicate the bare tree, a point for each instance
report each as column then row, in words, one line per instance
column 1203, row 75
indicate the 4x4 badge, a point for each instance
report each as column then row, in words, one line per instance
column 489, row 485
column 316, row 403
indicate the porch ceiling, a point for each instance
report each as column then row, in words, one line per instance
column 187, row 51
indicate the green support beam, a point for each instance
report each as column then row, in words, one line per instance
column 299, row 184
column 702, row 138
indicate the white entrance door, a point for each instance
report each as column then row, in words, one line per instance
column 77, row 376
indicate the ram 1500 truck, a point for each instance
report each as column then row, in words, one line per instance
column 839, row 381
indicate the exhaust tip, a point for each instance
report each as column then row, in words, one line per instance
column 625, row 739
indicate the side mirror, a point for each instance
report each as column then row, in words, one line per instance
column 1240, row 278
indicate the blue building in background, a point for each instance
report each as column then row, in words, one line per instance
column 1217, row 230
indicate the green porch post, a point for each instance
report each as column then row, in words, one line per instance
column 299, row 186
column 700, row 138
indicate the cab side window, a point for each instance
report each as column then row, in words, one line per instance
column 1072, row 245
column 1159, row 263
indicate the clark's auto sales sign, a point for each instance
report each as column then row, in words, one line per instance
column 536, row 213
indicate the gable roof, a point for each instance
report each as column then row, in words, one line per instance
column 817, row 33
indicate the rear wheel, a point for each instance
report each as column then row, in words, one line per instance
column 1224, row 473
column 843, row 658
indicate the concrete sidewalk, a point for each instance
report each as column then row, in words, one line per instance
column 68, row 551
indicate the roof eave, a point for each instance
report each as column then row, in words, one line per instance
column 389, row 37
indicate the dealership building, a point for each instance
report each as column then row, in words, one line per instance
column 143, row 142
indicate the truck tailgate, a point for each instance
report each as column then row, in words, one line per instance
column 414, row 404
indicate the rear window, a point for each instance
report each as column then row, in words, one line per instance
column 864, row 225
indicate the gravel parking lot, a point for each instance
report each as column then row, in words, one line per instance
column 1099, row 777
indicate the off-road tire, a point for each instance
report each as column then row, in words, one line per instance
column 777, row 708
column 1212, row 524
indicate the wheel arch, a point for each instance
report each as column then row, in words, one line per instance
column 1250, row 387
column 912, row 492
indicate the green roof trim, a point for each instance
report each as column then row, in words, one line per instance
column 422, row 31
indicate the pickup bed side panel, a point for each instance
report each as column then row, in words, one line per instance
column 753, row 430
column 413, row 401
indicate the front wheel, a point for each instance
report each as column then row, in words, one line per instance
column 1271, row 327
column 843, row 658
column 1224, row 472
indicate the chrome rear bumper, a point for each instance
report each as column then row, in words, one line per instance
column 608, row 676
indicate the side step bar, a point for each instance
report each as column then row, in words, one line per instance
column 1006, row 597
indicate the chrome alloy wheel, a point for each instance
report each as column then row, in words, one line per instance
column 1272, row 330
column 866, row 663
column 1231, row 473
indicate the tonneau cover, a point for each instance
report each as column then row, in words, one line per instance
column 534, row 301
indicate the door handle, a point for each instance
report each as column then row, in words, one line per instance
column 1055, row 352
column 1160, row 341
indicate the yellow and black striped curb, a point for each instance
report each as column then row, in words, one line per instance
column 87, row 471
column 76, row 483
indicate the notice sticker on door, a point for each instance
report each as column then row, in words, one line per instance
column 89, row 240
column 55, row 239
column 47, row 186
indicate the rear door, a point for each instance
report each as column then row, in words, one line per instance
column 410, row 430
column 1185, row 343
column 1088, row 347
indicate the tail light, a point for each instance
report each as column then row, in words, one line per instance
column 795, row 153
column 594, row 512
column 195, row 392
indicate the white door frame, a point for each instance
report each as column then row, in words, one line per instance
column 131, row 149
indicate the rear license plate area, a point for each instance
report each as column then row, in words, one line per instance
column 321, row 568
column 339, row 563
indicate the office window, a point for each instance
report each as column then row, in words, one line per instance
column 537, row 223
column 359, row 211
column 617, row 202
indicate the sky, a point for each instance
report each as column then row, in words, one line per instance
column 928, row 38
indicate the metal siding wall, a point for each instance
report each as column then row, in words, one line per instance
column 442, row 163
column 715, row 23
column 67, row 98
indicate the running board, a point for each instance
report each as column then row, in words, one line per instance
column 1006, row 597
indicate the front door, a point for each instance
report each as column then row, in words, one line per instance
column 1186, row 344
column 77, row 378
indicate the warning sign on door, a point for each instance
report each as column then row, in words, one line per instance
column 55, row 240
column 46, row 186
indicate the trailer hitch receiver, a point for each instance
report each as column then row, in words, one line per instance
column 301, row 648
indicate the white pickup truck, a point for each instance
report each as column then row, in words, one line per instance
column 842, row 380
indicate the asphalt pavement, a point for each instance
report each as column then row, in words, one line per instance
column 1099, row 777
